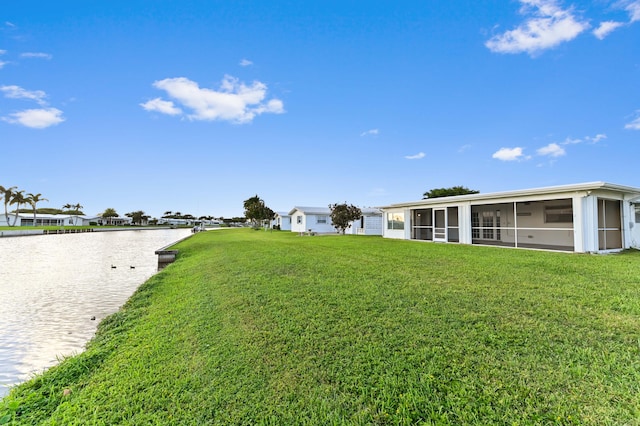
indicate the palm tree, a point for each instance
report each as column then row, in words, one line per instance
column 6, row 193
column 17, row 198
column 137, row 217
column 34, row 200
column 72, row 209
column 109, row 214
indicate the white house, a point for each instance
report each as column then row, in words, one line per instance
column 591, row 217
column 311, row 219
column 318, row 220
column 26, row 219
column 282, row 221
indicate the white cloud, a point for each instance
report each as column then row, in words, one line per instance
column 634, row 124
column 36, row 55
column 417, row 156
column 17, row 92
column 509, row 154
column 2, row 52
column 597, row 138
column 464, row 148
column 36, row 118
column 606, row 28
column 245, row 63
column 634, row 10
column 548, row 26
column 552, row 150
column 234, row 101
column 570, row 141
column 2, row 64
column 165, row 107
column 373, row 132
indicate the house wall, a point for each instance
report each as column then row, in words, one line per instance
column 634, row 225
column 391, row 229
column 311, row 222
column 298, row 222
column 283, row 221
column 7, row 220
column 372, row 226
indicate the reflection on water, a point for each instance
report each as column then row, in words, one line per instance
column 51, row 286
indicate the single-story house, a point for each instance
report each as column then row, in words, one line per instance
column 115, row 221
column 594, row 217
column 26, row 219
column 311, row 219
column 282, row 221
column 318, row 220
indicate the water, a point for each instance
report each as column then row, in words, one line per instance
column 51, row 287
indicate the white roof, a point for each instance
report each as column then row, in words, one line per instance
column 549, row 190
column 311, row 210
column 52, row 216
column 366, row 211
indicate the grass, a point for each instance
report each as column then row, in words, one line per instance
column 253, row 327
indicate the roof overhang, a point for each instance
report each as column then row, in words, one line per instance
column 540, row 193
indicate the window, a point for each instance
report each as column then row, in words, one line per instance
column 299, row 220
column 395, row 220
column 487, row 225
column 475, row 225
column 322, row 219
column 558, row 214
column 637, row 214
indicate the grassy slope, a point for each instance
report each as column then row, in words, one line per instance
column 259, row 327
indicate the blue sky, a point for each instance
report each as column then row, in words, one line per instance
column 195, row 106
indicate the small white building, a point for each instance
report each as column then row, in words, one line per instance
column 312, row 219
column 318, row 220
column 282, row 221
column 594, row 217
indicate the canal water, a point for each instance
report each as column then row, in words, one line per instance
column 55, row 289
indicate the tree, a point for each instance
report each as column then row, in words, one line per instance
column 256, row 211
column 109, row 213
column 137, row 217
column 6, row 194
column 34, row 200
column 18, row 199
column 73, row 209
column 448, row 192
column 343, row 214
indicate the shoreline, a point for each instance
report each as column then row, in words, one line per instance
column 32, row 232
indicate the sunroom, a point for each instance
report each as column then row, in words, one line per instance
column 595, row 217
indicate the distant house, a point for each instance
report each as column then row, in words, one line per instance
column 177, row 222
column 311, row 219
column 26, row 219
column 591, row 217
column 282, row 221
column 318, row 220
column 115, row 221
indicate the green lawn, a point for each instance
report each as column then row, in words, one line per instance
column 254, row 327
